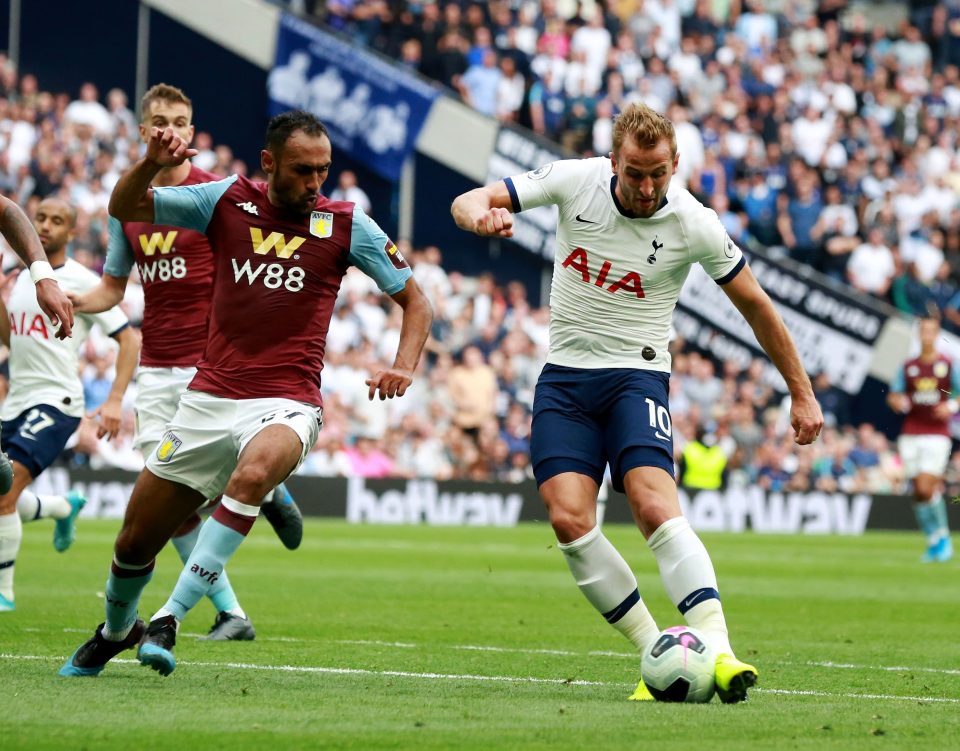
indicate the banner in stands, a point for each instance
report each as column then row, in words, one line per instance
column 462, row 503
column 513, row 154
column 834, row 331
column 372, row 109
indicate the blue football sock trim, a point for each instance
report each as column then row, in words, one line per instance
column 623, row 608
column 696, row 597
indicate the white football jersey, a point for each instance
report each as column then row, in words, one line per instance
column 616, row 279
column 44, row 369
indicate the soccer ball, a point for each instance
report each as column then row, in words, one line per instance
column 679, row 666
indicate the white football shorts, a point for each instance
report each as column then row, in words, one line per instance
column 158, row 394
column 203, row 441
column 924, row 454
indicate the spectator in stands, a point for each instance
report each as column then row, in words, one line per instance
column 473, row 388
column 480, row 83
column 797, row 220
column 88, row 114
column 348, row 190
column 872, row 266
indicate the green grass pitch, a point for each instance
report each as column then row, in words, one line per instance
column 373, row 637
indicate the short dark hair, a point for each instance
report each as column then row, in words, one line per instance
column 284, row 125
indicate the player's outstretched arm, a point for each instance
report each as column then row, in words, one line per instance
column 132, row 198
column 757, row 308
column 107, row 294
column 417, row 318
column 21, row 235
column 485, row 211
column 111, row 411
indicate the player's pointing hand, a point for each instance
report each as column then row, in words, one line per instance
column 167, row 148
column 495, row 223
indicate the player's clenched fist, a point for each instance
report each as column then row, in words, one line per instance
column 806, row 418
column 167, row 148
column 495, row 223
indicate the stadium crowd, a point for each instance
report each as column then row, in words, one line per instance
column 468, row 414
column 825, row 132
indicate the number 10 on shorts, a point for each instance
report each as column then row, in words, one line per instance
column 659, row 420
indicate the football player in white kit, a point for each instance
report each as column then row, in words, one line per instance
column 22, row 238
column 625, row 243
column 45, row 402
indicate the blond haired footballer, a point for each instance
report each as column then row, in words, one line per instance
column 625, row 243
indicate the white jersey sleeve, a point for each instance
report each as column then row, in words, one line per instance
column 553, row 183
column 710, row 245
column 44, row 369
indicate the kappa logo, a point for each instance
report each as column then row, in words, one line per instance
column 250, row 208
column 652, row 258
column 168, row 446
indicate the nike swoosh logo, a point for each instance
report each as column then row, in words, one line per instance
column 585, row 221
column 689, row 602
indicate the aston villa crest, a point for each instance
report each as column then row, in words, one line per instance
column 321, row 224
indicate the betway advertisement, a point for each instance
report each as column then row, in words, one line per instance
column 461, row 503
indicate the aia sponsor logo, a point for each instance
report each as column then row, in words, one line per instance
column 28, row 325
column 580, row 262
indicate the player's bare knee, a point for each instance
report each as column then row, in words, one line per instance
column 250, row 482
column 134, row 548
column 569, row 524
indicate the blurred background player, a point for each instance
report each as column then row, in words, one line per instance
column 925, row 389
column 624, row 248
column 21, row 236
column 176, row 269
column 253, row 411
column 45, row 403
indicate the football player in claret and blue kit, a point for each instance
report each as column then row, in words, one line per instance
column 926, row 390
column 176, row 269
column 253, row 411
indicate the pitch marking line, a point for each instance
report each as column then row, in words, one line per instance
column 559, row 652
column 889, row 668
column 484, row 678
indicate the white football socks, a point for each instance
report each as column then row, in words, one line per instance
column 11, row 532
column 688, row 577
column 608, row 583
column 31, row 506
